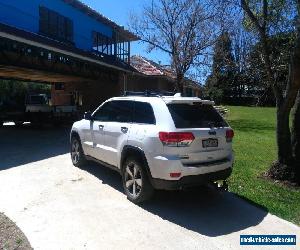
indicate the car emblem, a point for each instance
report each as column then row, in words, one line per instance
column 212, row 133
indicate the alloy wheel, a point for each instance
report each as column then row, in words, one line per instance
column 133, row 180
column 75, row 153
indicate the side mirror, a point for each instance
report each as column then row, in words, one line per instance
column 88, row 116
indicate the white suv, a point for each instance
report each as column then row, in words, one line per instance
column 156, row 142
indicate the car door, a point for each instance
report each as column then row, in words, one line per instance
column 98, row 122
column 144, row 123
column 117, row 130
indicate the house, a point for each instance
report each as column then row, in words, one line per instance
column 155, row 77
column 84, row 56
column 66, row 44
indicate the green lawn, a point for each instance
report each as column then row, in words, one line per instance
column 255, row 149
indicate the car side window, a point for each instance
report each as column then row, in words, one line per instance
column 103, row 113
column 115, row 111
column 122, row 111
column 143, row 113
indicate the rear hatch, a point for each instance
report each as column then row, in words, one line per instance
column 208, row 135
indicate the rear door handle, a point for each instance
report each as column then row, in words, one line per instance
column 124, row 130
column 101, row 127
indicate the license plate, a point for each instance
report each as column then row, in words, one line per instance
column 210, row 143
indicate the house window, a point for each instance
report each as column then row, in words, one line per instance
column 56, row 26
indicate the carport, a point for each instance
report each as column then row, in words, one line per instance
column 26, row 56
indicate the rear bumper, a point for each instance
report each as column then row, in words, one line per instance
column 161, row 166
column 192, row 180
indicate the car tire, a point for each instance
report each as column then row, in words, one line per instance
column 77, row 155
column 135, row 180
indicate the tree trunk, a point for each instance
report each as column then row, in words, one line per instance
column 283, row 169
column 295, row 81
column 179, row 83
column 296, row 137
column 283, row 137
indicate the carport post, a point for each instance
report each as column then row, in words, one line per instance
column 124, row 83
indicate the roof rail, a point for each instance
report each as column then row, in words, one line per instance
column 149, row 93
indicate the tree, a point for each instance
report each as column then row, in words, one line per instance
column 281, row 46
column 183, row 29
column 220, row 85
column 266, row 18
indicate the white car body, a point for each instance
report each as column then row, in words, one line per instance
column 169, row 167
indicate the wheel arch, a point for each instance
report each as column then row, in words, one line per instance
column 74, row 133
column 135, row 152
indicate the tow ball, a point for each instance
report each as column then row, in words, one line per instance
column 221, row 185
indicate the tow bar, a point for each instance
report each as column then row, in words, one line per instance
column 221, row 185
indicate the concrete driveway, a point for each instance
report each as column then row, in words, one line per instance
column 59, row 206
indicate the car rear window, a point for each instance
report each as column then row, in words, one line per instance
column 195, row 116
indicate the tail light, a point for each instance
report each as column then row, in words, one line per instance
column 229, row 135
column 176, row 139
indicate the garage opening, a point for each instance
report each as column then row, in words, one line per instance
column 38, row 103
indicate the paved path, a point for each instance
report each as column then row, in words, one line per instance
column 59, row 206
